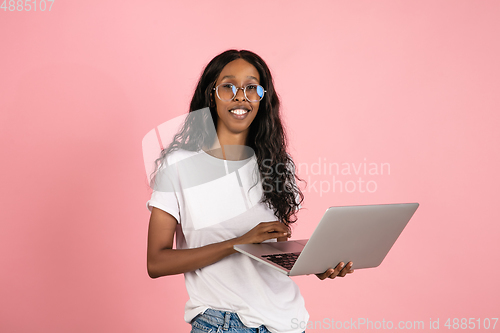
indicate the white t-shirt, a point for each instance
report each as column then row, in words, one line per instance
column 213, row 200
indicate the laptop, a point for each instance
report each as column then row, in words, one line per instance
column 361, row 234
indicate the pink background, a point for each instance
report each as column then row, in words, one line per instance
column 411, row 83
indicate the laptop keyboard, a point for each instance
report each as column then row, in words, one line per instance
column 286, row 260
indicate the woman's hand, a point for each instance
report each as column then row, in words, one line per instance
column 340, row 270
column 263, row 231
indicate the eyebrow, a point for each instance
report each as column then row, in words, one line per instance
column 232, row 77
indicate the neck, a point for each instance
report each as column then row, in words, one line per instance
column 231, row 146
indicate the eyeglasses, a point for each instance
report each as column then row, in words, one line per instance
column 227, row 91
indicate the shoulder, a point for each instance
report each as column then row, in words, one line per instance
column 172, row 162
column 178, row 155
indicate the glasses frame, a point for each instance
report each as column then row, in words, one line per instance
column 236, row 93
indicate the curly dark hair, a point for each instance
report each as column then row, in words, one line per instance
column 266, row 135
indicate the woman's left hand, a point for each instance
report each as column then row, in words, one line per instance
column 340, row 270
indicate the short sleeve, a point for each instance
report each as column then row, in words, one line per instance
column 166, row 201
column 165, row 193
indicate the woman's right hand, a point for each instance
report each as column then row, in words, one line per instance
column 263, row 231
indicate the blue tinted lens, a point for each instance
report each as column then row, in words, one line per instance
column 260, row 91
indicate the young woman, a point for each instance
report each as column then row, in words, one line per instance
column 229, row 290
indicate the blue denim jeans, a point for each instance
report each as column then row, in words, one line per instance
column 215, row 321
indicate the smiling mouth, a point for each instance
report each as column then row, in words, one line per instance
column 239, row 111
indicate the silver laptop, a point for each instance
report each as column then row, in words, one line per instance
column 361, row 234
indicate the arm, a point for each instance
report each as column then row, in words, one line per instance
column 163, row 260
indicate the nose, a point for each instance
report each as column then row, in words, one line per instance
column 240, row 94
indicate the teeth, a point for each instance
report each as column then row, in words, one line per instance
column 239, row 111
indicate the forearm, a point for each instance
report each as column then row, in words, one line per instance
column 176, row 261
